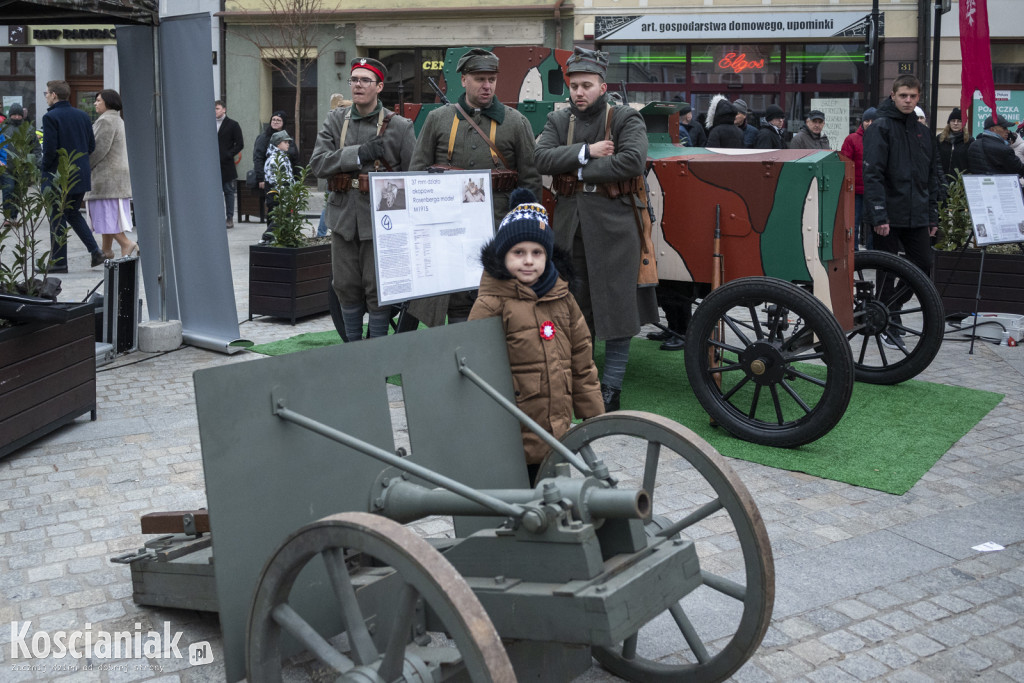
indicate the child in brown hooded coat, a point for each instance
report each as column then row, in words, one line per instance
column 549, row 347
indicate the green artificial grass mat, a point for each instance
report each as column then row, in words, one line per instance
column 888, row 437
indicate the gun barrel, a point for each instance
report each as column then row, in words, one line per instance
column 404, row 501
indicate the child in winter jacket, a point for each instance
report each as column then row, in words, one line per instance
column 549, row 347
column 277, row 160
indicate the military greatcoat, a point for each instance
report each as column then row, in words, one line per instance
column 608, row 226
column 513, row 136
column 348, row 213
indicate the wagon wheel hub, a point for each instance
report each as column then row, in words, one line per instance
column 874, row 316
column 763, row 363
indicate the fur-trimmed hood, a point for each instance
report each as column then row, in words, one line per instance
column 720, row 111
column 495, row 266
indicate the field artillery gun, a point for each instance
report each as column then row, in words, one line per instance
column 796, row 314
column 663, row 575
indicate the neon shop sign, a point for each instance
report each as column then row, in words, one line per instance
column 738, row 63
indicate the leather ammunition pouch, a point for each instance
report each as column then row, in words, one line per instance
column 566, row 184
column 504, row 180
column 343, row 182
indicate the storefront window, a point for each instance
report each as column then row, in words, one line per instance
column 1008, row 63
column 646, row 63
column 17, row 78
column 840, row 63
column 83, row 63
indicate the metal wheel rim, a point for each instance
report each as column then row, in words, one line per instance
column 661, row 433
column 921, row 339
column 816, row 336
column 427, row 575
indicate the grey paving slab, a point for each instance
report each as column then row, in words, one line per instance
column 869, row 586
column 846, row 569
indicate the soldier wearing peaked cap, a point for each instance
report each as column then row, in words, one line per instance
column 597, row 155
column 504, row 145
column 355, row 141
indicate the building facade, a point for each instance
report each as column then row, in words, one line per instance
column 84, row 55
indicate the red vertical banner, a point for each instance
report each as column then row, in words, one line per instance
column 976, row 56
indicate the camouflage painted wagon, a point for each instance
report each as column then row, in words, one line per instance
column 796, row 315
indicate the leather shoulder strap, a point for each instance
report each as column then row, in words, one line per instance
column 608, row 121
column 482, row 134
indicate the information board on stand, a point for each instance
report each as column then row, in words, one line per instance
column 997, row 208
column 428, row 229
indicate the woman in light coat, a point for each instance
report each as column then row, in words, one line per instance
column 109, row 200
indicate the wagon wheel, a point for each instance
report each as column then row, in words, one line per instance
column 892, row 297
column 424, row 576
column 701, row 499
column 783, row 374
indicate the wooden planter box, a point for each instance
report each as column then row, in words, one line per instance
column 1002, row 283
column 289, row 282
column 47, row 376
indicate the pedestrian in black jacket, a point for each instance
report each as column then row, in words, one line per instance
column 230, row 143
column 902, row 176
column 722, row 130
column 954, row 142
column 991, row 153
column 770, row 135
column 691, row 133
column 68, row 128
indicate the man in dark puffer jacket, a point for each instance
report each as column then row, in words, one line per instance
column 902, row 181
column 902, row 176
column 991, row 154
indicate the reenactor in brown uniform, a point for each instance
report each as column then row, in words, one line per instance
column 503, row 145
column 354, row 141
column 596, row 154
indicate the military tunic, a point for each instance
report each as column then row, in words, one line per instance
column 514, row 139
column 606, row 285
column 348, row 213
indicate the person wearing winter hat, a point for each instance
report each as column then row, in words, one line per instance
column 263, row 149
column 954, row 141
column 691, row 133
column 853, row 147
column 722, row 130
column 992, row 152
column 353, row 142
column 811, row 135
column 276, row 170
column 495, row 137
column 771, row 134
column 525, row 284
column 596, row 155
column 742, row 115
column 921, row 116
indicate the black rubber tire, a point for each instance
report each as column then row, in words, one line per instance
column 921, row 319
column 760, row 356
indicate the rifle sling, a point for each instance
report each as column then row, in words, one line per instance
column 490, row 143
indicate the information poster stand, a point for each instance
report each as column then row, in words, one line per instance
column 428, row 229
column 997, row 217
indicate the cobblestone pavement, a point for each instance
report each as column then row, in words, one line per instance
column 869, row 586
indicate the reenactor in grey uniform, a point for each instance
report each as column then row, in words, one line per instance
column 503, row 145
column 354, row 141
column 596, row 154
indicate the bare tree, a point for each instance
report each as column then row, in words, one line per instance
column 290, row 30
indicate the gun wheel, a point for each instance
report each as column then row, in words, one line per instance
column 769, row 362
column 695, row 496
column 898, row 315
column 392, row 590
